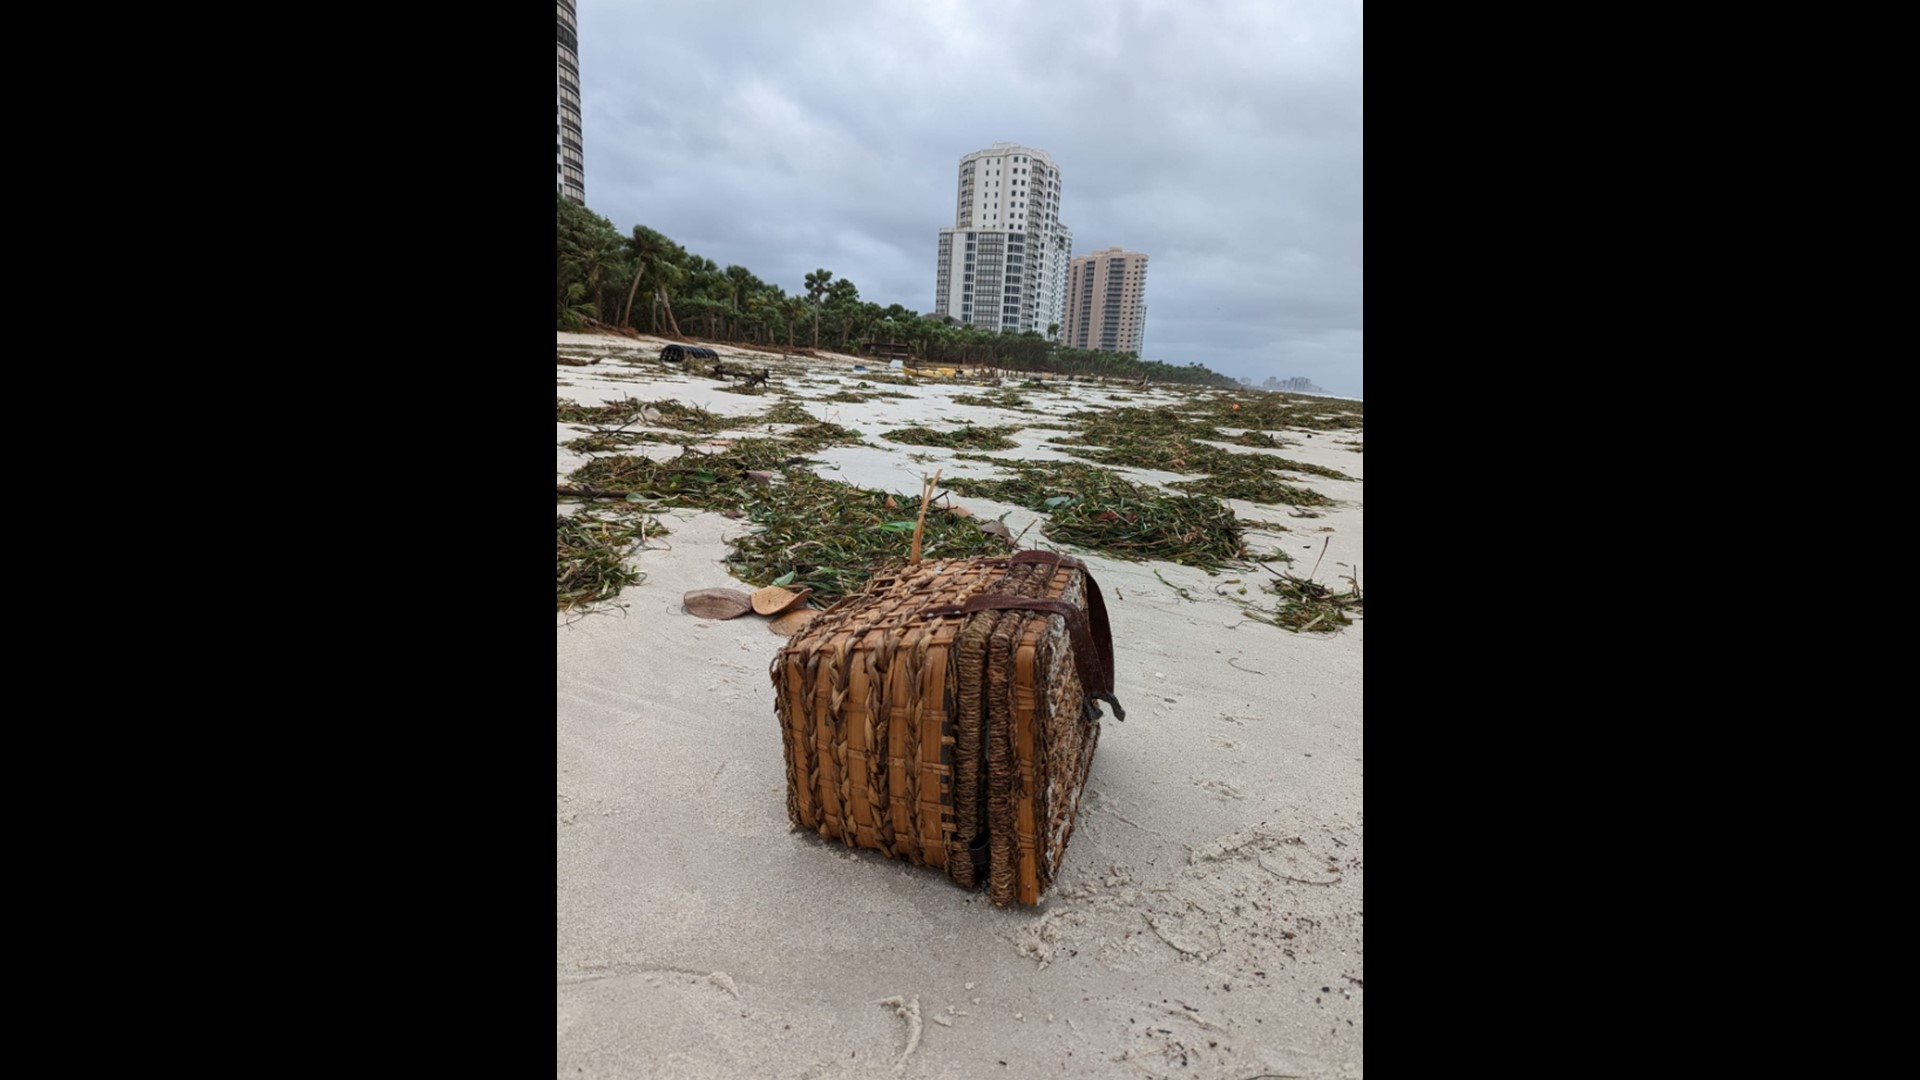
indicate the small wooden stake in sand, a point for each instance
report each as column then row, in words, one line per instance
column 927, row 485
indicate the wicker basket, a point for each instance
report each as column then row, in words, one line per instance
column 944, row 714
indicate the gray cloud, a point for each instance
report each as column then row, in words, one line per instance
column 1221, row 138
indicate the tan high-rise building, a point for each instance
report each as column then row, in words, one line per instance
column 1107, row 301
column 570, row 175
column 1003, row 265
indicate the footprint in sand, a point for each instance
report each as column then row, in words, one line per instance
column 1220, row 788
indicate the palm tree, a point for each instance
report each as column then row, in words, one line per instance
column 766, row 307
column 793, row 307
column 657, row 264
column 817, row 283
column 589, row 253
column 711, row 292
column 745, row 287
column 574, row 305
column 844, row 300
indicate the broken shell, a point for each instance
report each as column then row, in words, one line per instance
column 773, row 599
column 717, row 603
column 789, row 624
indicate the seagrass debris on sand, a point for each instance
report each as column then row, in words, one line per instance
column 1257, row 409
column 995, row 399
column 592, row 559
column 609, row 441
column 1162, row 440
column 668, row 413
column 831, row 537
column 1307, row 606
column 714, row 476
column 1256, row 487
column 1100, row 510
column 967, row 437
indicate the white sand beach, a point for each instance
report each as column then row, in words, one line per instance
column 1208, row 918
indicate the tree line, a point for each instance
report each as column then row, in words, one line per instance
column 647, row 282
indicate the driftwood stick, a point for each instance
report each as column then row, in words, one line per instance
column 926, row 496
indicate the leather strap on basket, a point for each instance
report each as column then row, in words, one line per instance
column 1096, row 611
column 1091, row 634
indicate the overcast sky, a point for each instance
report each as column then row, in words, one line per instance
column 1220, row 137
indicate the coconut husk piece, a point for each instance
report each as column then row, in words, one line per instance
column 717, row 603
column 773, row 599
column 790, row 623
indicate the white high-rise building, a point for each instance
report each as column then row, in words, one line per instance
column 1003, row 265
column 570, row 177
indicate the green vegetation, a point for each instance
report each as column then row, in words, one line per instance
column 787, row 412
column 1308, row 606
column 607, row 442
column 1261, row 487
column 1100, row 510
column 970, row 437
column 831, row 537
column 645, row 282
column 995, row 399
column 1262, row 410
column 1148, row 524
column 1253, row 437
column 1171, row 441
column 1304, row 467
column 658, row 414
column 699, row 481
column 819, row 435
column 702, row 481
column 592, row 557
column 848, row 397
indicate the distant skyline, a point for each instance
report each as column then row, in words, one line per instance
column 1222, row 139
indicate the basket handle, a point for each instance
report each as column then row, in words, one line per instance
column 1091, row 634
column 1096, row 609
